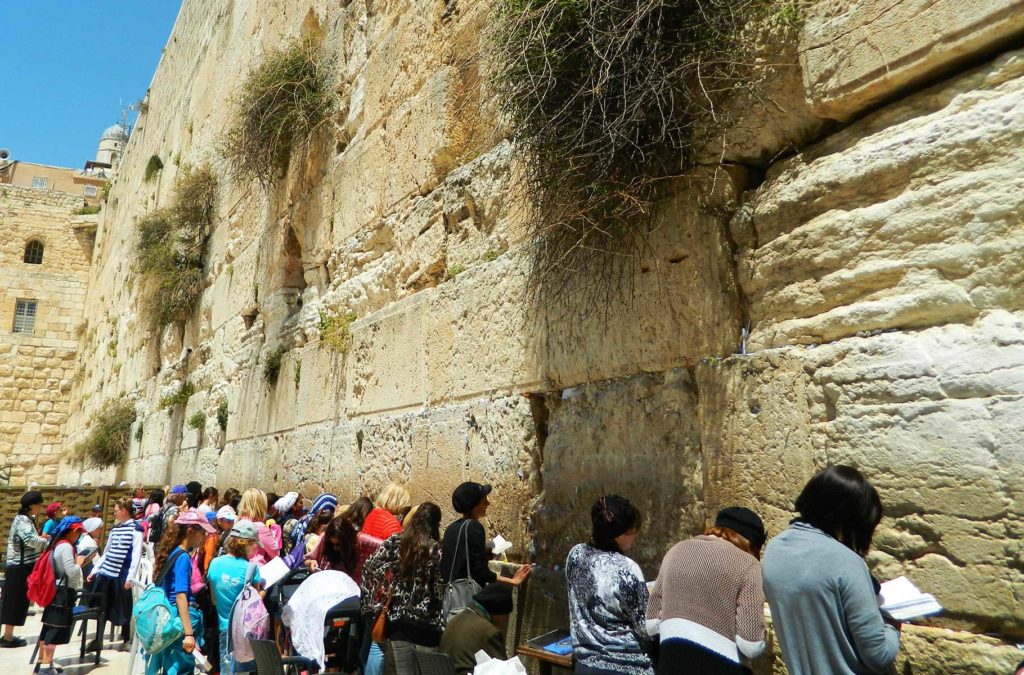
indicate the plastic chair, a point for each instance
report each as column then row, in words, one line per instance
column 434, row 663
column 81, row 615
column 270, row 662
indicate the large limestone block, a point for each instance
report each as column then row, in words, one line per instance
column 320, row 394
column 755, row 424
column 638, row 437
column 857, row 54
column 908, row 218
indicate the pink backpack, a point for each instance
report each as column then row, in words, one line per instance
column 248, row 617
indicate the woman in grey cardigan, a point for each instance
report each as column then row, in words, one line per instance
column 823, row 600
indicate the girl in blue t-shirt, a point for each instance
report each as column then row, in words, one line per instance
column 227, row 579
column 187, row 532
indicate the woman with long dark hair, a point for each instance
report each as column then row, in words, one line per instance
column 607, row 594
column 187, row 532
column 822, row 597
column 708, row 598
column 403, row 579
column 336, row 549
column 24, row 546
column 358, row 510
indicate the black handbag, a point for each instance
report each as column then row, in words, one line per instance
column 60, row 613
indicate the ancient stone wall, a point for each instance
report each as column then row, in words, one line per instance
column 37, row 369
column 839, row 280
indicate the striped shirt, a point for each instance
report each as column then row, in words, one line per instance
column 709, row 593
column 24, row 544
column 123, row 544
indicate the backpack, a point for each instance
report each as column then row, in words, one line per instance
column 42, row 582
column 156, row 525
column 459, row 592
column 249, row 618
column 157, row 623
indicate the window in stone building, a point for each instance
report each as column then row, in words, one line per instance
column 34, row 252
column 90, row 190
column 25, row 316
column 40, row 183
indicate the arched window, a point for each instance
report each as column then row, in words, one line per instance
column 34, row 252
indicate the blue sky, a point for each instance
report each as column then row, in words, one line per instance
column 65, row 67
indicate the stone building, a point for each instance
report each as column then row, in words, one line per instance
column 841, row 279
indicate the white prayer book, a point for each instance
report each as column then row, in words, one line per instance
column 274, row 571
column 903, row 601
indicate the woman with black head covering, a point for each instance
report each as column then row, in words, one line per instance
column 24, row 546
column 607, row 595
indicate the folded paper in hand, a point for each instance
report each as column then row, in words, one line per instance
column 501, row 545
column 485, row 665
column 903, row 601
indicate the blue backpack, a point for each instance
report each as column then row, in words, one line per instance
column 156, row 622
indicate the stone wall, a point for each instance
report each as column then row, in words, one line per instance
column 840, row 280
column 37, row 370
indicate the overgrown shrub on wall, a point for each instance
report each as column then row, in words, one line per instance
column 171, row 248
column 604, row 96
column 279, row 106
column 109, row 435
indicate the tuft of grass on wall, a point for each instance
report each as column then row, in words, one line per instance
column 109, row 434
column 335, row 330
column 197, row 421
column 222, row 415
column 272, row 366
column 87, row 210
column 279, row 106
column 606, row 98
column 171, row 249
column 154, row 166
column 179, row 397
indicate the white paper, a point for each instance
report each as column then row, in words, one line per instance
column 485, row 665
column 903, row 601
column 501, row 545
column 274, row 571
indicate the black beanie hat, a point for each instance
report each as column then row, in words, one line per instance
column 496, row 598
column 31, row 498
column 743, row 522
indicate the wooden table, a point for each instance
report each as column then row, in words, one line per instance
column 547, row 660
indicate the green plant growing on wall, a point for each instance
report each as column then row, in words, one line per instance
column 272, row 366
column 454, row 271
column 154, row 166
column 491, row 255
column 298, row 372
column 171, row 248
column 606, row 97
column 112, row 347
column 138, row 433
column 222, row 415
column 87, row 210
column 279, row 106
column 335, row 330
column 197, row 421
column 179, row 397
column 109, row 436
column 105, row 191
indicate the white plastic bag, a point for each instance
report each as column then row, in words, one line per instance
column 485, row 665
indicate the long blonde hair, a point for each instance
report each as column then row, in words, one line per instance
column 394, row 499
column 253, row 504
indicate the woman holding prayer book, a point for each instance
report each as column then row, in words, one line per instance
column 822, row 597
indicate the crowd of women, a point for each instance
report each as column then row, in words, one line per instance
column 424, row 591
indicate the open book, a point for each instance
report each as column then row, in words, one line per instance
column 903, row 601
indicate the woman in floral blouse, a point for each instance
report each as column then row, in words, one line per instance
column 404, row 575
column 23, row 548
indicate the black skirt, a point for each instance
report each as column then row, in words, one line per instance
column 113, row 599
column 682, row 657
column 15, row 596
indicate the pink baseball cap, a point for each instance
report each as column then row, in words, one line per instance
column 195, row 518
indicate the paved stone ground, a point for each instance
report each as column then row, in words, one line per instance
column 15, row 661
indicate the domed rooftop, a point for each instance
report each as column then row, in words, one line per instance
column 115, row 132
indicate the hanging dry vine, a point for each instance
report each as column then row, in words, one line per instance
column 604, row 96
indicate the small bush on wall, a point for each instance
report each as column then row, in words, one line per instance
column 154, row 166
column 281, row 103
column 604, row 96
column 197, row 421
column 171, row 249
column 335, row 331
column 272, row 366
column 110, row 433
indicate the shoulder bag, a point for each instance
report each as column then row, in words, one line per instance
column 459, row 592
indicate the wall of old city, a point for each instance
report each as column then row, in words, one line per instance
column 37, row 369
column 841, row 279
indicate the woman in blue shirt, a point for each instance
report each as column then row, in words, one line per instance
column 227, row 579
column 188, row 531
